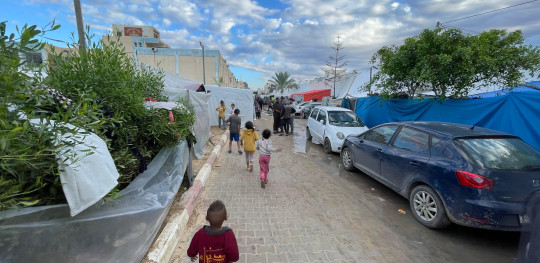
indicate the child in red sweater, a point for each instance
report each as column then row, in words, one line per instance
column 214, row 243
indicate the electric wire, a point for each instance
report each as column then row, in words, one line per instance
column 489, row 12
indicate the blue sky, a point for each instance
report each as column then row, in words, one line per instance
column 259, row 38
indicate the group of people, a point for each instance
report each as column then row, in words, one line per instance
column 248, row 140
column 283, row 112
column 214, row 242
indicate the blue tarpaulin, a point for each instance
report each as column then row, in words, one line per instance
column 516, row 113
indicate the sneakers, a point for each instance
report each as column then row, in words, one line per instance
column 229, row 151
column 263, row 184
column 240, row 152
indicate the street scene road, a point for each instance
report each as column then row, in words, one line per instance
column 312, row 210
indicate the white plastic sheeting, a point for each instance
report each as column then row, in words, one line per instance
column 174, row 89
column 242, row 98
column 347, row 87
column 119, row 230
column 81, row 184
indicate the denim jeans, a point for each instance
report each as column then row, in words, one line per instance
column 289, row 124
column 224, row 122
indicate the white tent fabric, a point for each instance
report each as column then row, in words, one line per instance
column 242, row 98
column 174, row 89
column 172, row 80
column 346, row 87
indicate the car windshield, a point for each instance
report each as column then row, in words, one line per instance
column 500, row 153
column 345, row 118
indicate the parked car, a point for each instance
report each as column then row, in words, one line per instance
column 471, row 176
column 306, row 110
column 299, row 108
column 330, row 126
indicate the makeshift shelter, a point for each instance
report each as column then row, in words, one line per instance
column 311, row 95
column 242, row 98
column 176, row 87
column 514, row 113
column 176, row 81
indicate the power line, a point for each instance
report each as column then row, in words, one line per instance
column 462, row 29
column 489, row 11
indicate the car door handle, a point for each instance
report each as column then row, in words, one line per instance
column 414, row 163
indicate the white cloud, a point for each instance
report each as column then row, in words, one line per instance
column 166, row 22
column 182, row 12
column 298, row 38
column 222, row 26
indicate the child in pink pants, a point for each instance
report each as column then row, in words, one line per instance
column 265, row 147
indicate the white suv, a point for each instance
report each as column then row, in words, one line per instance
column 330, row 125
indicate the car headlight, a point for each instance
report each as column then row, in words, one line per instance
column 340, row 135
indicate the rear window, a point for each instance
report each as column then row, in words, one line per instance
column 500, row 153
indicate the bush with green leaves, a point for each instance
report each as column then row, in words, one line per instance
column 107, row 93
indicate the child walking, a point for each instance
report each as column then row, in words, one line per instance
column 221, row 114
column 265, row 147
column 248, row 139
column 234, row 130
column 214, row 243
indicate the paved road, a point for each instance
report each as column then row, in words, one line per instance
column 312, row 210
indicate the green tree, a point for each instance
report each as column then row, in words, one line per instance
column 282, row 81
column 452, row 64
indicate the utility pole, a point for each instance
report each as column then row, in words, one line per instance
column 80, row 26
column 203, row 70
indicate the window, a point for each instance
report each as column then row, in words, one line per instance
column 382, row 134
column 411, row 139
column 322, row 116
column 500, row 153
column 344, row 119
column 314, row 114
column 435, row 140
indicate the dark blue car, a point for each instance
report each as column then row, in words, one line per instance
column 450, row 172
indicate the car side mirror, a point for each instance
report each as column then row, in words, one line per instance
column 322, row 122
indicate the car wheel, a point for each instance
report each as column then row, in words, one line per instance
column 428, row 208
column 346, row 159
column 327, row 147
column 308, row 134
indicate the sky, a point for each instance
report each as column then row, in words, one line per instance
column 259, row 38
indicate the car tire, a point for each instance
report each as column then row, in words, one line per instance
column 308, row 134
column 346, row 159
column 327, row 147
column 428, row 208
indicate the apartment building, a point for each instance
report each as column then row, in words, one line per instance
column 145, row 45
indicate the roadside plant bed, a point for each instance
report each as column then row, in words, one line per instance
column 99, row 91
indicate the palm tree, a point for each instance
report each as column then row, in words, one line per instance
column 282, row 81
column 218, row 82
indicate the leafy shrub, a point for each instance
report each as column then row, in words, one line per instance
column 107, row 94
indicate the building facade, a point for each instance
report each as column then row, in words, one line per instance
column 144, row 43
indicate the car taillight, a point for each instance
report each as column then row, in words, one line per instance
column 474, row 180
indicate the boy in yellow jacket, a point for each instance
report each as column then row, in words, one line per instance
column 248, row 138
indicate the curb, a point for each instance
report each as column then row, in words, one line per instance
column 169, row 237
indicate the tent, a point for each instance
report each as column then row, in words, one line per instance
column 514, row 113
column 242, row 98
column 311, row 95
column 176, row 87
column 172, row 80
